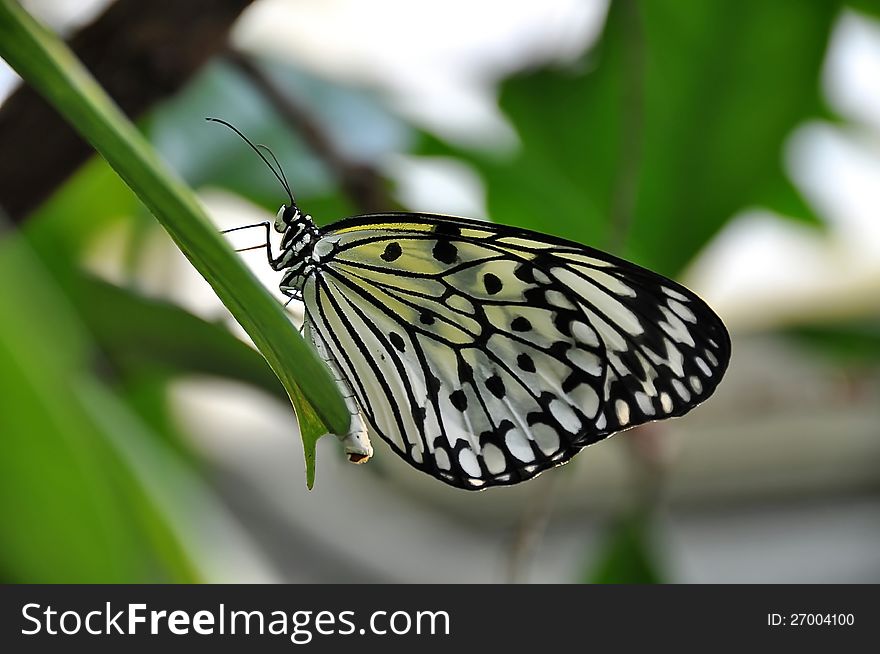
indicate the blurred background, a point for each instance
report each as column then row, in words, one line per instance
column 734, row 146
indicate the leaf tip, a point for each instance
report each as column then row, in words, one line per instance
column 309, row 451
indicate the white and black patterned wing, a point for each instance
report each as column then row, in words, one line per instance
column 484, row 354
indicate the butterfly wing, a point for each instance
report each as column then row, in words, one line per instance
column 484, row 354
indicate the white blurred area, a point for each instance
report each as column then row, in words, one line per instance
column 744, row 467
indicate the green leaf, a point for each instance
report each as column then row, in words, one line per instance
column 673, row 123
column 627, row 556
column 75, row 510
column 869, row 7
column 46, row 63
column 138, row 332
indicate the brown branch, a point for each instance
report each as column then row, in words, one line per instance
column 360, row 182
column 140, row 52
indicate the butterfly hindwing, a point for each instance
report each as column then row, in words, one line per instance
column 484, row 354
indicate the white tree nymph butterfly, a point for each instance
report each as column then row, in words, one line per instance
column 484, row 354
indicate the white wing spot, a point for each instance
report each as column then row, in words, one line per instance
column 558, row 299
column 585, row 398
column 703, row 367
column 612, row 283
column 565, row 415
column 580, row 260
column 682, row 390
column 610, row 335
column 574, row 279
column 696, row 384
column 585, row 334
column 682, row 311
column 617, row 312
column 441, row 458
column 712, row 358
column 539, row 276
column 586, row 361
column 676, row 328
column 674, row 294
column 650, row 373
column 674, row 358
column 644, row 403
column 622, row 409
column 666, row 402
column 494, row 459
column 546, row 438
column 468, row 462
column 601, row 422
column 518, row 446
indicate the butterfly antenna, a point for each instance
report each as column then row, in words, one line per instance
column 280, row 177
column 280, row 169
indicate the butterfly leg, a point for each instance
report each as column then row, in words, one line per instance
column 268, row 245
column 356, row 442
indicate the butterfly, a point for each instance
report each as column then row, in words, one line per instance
column 484, row 354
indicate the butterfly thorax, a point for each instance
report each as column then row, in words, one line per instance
column 297, row 258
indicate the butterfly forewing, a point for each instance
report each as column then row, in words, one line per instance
column 484, row 354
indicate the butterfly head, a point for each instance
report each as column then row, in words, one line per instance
column 285, row 217
column 295, row 225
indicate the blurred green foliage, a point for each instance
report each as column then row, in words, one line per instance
column 673, row 122
column 855, row 343
column 669, row 126
column 628, row 553
column 92, row 201
column 79, row 511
